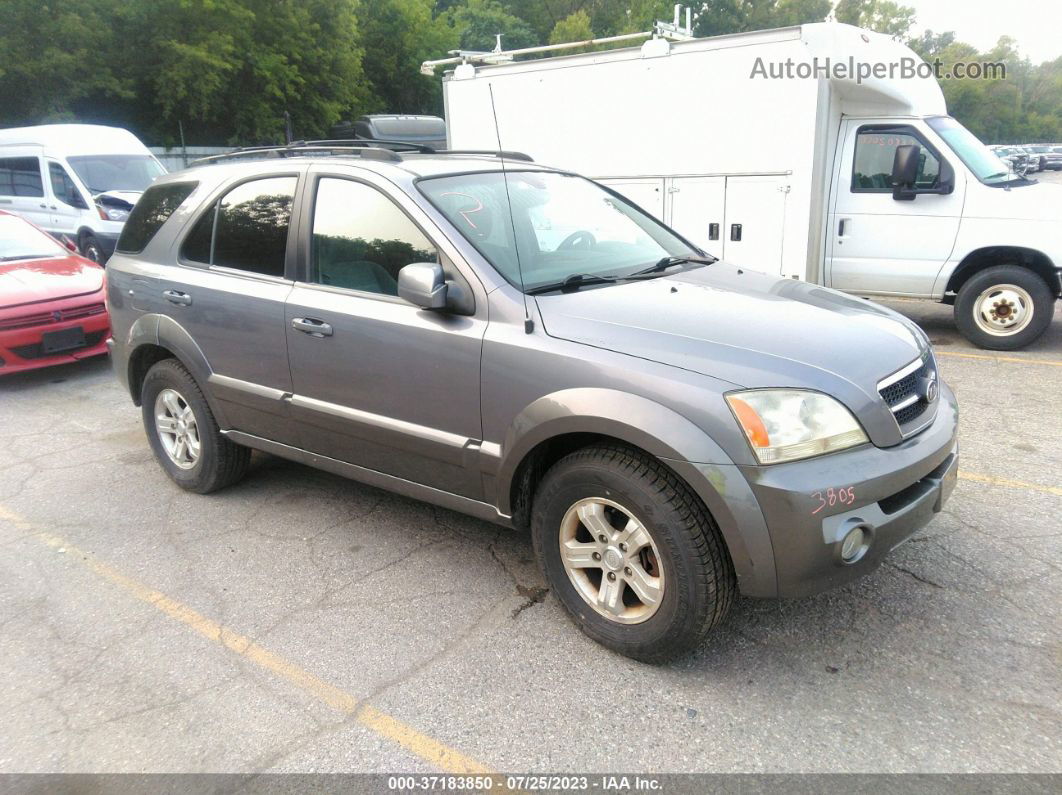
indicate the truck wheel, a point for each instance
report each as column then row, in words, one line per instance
column 90, row 248
column 631, row 553
column 1004, row 308
column 183, row 433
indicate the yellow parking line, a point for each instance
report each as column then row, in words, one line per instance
column 1009, row 484
column 1048, row 362
column 421, row 745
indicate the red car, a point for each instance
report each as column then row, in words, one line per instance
column 51, row 300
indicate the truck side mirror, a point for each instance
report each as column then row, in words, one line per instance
column 423, row 284
column 905, row 171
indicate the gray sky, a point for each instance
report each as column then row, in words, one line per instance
column 1036, row 25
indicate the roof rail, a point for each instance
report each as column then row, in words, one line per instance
column 365, row 147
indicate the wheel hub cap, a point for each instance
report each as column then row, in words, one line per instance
column 612, row 560
column 1003, row 310
column 177, row 428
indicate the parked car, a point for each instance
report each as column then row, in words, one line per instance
column 1036, row 157
column 820, row 196
column 1016, row 161
column 51, row 300
column 1053, row 157
column 79, row 180
column 673, row 429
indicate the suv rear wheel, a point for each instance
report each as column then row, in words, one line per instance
column 184, row 434
column 631, row 553
column 1004, row 308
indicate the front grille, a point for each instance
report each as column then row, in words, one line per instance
column 906, row 396
column 35, row 351
column 47, row 318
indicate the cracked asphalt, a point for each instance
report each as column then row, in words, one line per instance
column 302, row 622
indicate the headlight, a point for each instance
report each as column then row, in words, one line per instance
column 787, row 424
column 115, row 214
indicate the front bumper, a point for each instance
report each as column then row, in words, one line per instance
column 809, row 506
column 21, row 349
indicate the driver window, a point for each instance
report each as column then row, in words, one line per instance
column 63, row 187
column 361, row 239
column 874, row 153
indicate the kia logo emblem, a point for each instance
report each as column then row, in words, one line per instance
column 931, row 390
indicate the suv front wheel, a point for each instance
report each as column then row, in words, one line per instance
column 183, row 433
column 631, row 553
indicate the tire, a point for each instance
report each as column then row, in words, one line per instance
column 1026, row 298
column 615, row 484
column 170, row 391
column 90, row 248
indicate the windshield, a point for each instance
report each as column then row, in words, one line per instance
column 20, row 240
column 562, row 225
column 981, row 160
column 116, row 172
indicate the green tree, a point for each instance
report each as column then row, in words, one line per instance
column 883, row 16
column 574, row 27
column 397, row 37
column 479, row 22
column 737, row 16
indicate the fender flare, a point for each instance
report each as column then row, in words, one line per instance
column 683, row 446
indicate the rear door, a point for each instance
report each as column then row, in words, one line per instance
column 377, row 381
column 228, row 294
column 22, row 188
column 755, row 222
column 696, row 207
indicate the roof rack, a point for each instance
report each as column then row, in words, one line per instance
column 370, row 149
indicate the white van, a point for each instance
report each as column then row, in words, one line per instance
column 78, row 180
column 864, row 184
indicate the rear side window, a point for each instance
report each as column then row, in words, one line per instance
column 150, row 212
column 247, row 229
column 20, row 176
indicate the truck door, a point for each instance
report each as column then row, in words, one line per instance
column 695, row 207
column 755, row 220
column 878, row 244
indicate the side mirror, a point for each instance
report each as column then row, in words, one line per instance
column 423, row 284
column 905, row 170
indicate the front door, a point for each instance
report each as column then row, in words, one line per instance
column 377, row 381
column 67, row 203
column 878, row 244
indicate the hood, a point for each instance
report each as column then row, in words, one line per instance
column 122, row 199
column 1039, row 202
column 31, row 281
column 747, row 328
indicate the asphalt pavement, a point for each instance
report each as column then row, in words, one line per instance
column 302, row 622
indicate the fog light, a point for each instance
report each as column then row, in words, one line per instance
column 853, row 545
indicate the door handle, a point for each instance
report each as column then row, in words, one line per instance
column 311, row 326
column 735, row 232
column 840, row 227
column 713, row 231
column 177, row 297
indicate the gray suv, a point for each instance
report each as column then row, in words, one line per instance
column 526, row 346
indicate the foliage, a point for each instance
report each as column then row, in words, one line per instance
column 227, row 70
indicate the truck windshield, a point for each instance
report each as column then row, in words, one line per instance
column 561, row 225
column 102, row 173
column 981, row 160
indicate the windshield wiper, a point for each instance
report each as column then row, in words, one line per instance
column 666, row 262
column 573, row 282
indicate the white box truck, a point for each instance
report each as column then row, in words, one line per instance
column 855, row 181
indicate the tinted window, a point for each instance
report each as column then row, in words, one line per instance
column 20, row 176
column 149, row 214
column 874, row 153
column 196, row 246
column 361, row 239
column 251, row 233
column 64, row 188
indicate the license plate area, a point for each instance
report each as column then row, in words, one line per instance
column 66, row 340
